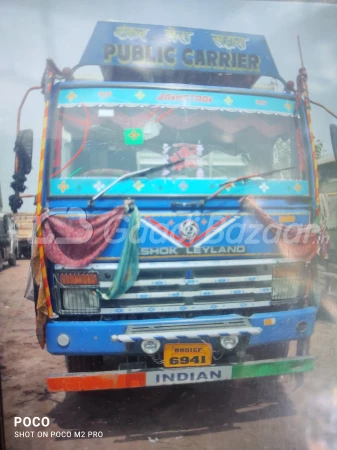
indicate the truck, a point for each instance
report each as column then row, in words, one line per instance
column 167, row 186
column 8, row 238
column 24, row 224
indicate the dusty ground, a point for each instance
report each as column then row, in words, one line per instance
column 238, row 416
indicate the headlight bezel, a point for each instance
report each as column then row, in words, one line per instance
column 80, row 301
column 77, row 299
column 288, row 282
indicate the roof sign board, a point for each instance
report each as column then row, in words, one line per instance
column 165, row 47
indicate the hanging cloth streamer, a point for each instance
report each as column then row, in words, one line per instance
column 294, row 241
column 128, row 266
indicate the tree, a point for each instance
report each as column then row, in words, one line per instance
column 319, row 147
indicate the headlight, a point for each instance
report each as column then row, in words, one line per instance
column 229, row 342
column 150, row 346
column 287, row 282
column 80, row 300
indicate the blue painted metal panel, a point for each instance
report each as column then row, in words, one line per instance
column 298, row 204
column 164, row 47
column 217, row 231
column 285, row 325
column 63, row 187
column 95, row 337
column 91, row 338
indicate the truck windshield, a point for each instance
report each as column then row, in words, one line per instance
column 109, row 139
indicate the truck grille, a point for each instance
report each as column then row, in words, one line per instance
column 188, row 330
column 181, row 327
column 184, row 287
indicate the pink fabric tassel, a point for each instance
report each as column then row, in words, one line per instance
column 78, row 242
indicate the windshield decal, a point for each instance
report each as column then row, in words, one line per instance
column 187, row 153
column 180, row 99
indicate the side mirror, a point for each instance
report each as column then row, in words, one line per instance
column 333, row 135
column 24, row 150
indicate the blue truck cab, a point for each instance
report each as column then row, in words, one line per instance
column 215, row 296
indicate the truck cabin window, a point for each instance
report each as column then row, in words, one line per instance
column 95, row 141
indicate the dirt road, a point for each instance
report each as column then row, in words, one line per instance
column 243, row 415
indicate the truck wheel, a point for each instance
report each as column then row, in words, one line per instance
column 83, row 363
column 12, row 261
column 26, row 252
column 271, row 351
column 1, row 261
column 264, row 352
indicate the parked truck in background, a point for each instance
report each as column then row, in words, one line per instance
column 24, row 223
column 8, row 238
column 216, row 297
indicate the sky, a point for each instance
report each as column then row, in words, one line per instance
column 33, row 30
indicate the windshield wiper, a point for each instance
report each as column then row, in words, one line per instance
column 201, row 203
column 146, row 171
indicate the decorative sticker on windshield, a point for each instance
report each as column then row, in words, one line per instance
column 133, row 136
column 63, row 186
column 191, row 154
column 179, row 99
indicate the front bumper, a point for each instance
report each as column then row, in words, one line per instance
column 123, row 379
column 111, row 337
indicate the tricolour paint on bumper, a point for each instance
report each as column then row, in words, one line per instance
column 162, row 377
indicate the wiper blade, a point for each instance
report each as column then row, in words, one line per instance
column 246, row 177
column 146, row 171
column 202, row 203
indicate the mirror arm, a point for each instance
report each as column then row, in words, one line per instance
column 18, row 119
column 325, row 108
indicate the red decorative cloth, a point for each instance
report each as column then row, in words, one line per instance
column 294, row 241
column 78, row 242
column 187, row 152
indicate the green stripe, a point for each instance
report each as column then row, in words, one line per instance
column 273, row 367
column 75, row 171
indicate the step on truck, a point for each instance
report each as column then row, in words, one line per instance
column 175, row 211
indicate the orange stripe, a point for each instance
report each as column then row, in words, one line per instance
column 95, row 381
column 312, row 144
column 39, row 197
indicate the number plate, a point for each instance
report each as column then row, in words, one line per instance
column 187, row 355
